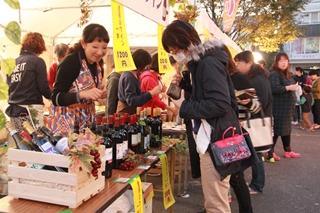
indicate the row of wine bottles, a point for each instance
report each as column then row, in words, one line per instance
column 123, row 132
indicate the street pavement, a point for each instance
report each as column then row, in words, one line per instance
column 292, row 185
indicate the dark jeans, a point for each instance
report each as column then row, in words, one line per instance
column 258, row 175
column 241, row 191
column 316, row 111
column 296, row 113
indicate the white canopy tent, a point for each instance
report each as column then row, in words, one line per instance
column 57, row 21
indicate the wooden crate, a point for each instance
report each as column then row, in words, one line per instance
column 68, row 189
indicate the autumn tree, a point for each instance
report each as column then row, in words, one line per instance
column 262, row 23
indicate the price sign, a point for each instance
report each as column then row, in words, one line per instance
column 163, row 58
column 121, row 51
column 168, row 199
column 136, row 185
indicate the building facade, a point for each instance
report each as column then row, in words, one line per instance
column 305, row 52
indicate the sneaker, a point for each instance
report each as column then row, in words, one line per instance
column 270, row 160
column 253, row 192
column 294, row 123
column 291, row 155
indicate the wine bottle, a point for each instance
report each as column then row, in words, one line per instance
column 136, row 124
column 148, row 120
column 110, row 123
column 143, row 133
column 117, row 142
column 59, row 142
column 107, row 142
column 24, row 144
column 133, row 135
column 42, row 142
column 124, row 135
column 21, row 143
column 126, row 121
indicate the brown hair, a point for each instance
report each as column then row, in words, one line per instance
column 33, row 42
column 285, row 73
column 231, row 66
column 179, row 34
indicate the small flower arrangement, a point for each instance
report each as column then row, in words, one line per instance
column 84, row 152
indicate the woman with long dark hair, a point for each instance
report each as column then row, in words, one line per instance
column 283, row 89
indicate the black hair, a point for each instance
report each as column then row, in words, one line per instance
column 154, row 64
column 299, row 69
column 179, row 34
column 255, row 69
column 245, row 56
column 141, row 59
column 92, row 32
column 306, row 88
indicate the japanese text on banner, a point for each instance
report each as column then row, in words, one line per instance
column 163, row 58
column 121, row 51
column 229, row 13
column 136, row 185
column 168, row 199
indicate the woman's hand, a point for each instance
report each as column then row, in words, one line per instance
column 174, row 110
column 155, row 91
column 177, row 78
column 93, row 94
column 243, row 101
column 292, row 87
column 178, row 102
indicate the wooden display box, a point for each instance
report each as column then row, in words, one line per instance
column 68, row 189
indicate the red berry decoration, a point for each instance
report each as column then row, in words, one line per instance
column 96, row 164
column 127, row 166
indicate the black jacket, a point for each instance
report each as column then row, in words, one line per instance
column 213, row 93
column 27, row 83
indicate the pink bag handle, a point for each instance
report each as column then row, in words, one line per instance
column 231, row 127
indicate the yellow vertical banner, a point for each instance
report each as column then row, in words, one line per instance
column 168, row 199
column 121, row 51
column 163, row 58
column 136, row 186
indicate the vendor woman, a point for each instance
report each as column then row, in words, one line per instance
column 79, row 82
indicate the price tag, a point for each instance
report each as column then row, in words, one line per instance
column 121, row 180
column 136, row 185
column 168, row 199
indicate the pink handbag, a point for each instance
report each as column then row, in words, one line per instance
column 230, row 149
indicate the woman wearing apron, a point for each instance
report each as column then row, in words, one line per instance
column 79, row 82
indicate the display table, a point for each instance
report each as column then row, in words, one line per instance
column 97, row 203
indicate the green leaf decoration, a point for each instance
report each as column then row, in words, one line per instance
column 14, row 4
column 85, row 160
column 4, row 88
column 8, row 65
column 13, row 32
column 2, row 120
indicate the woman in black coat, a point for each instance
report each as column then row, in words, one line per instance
column 258, row 78
column 283, row 90
column 212, row 101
